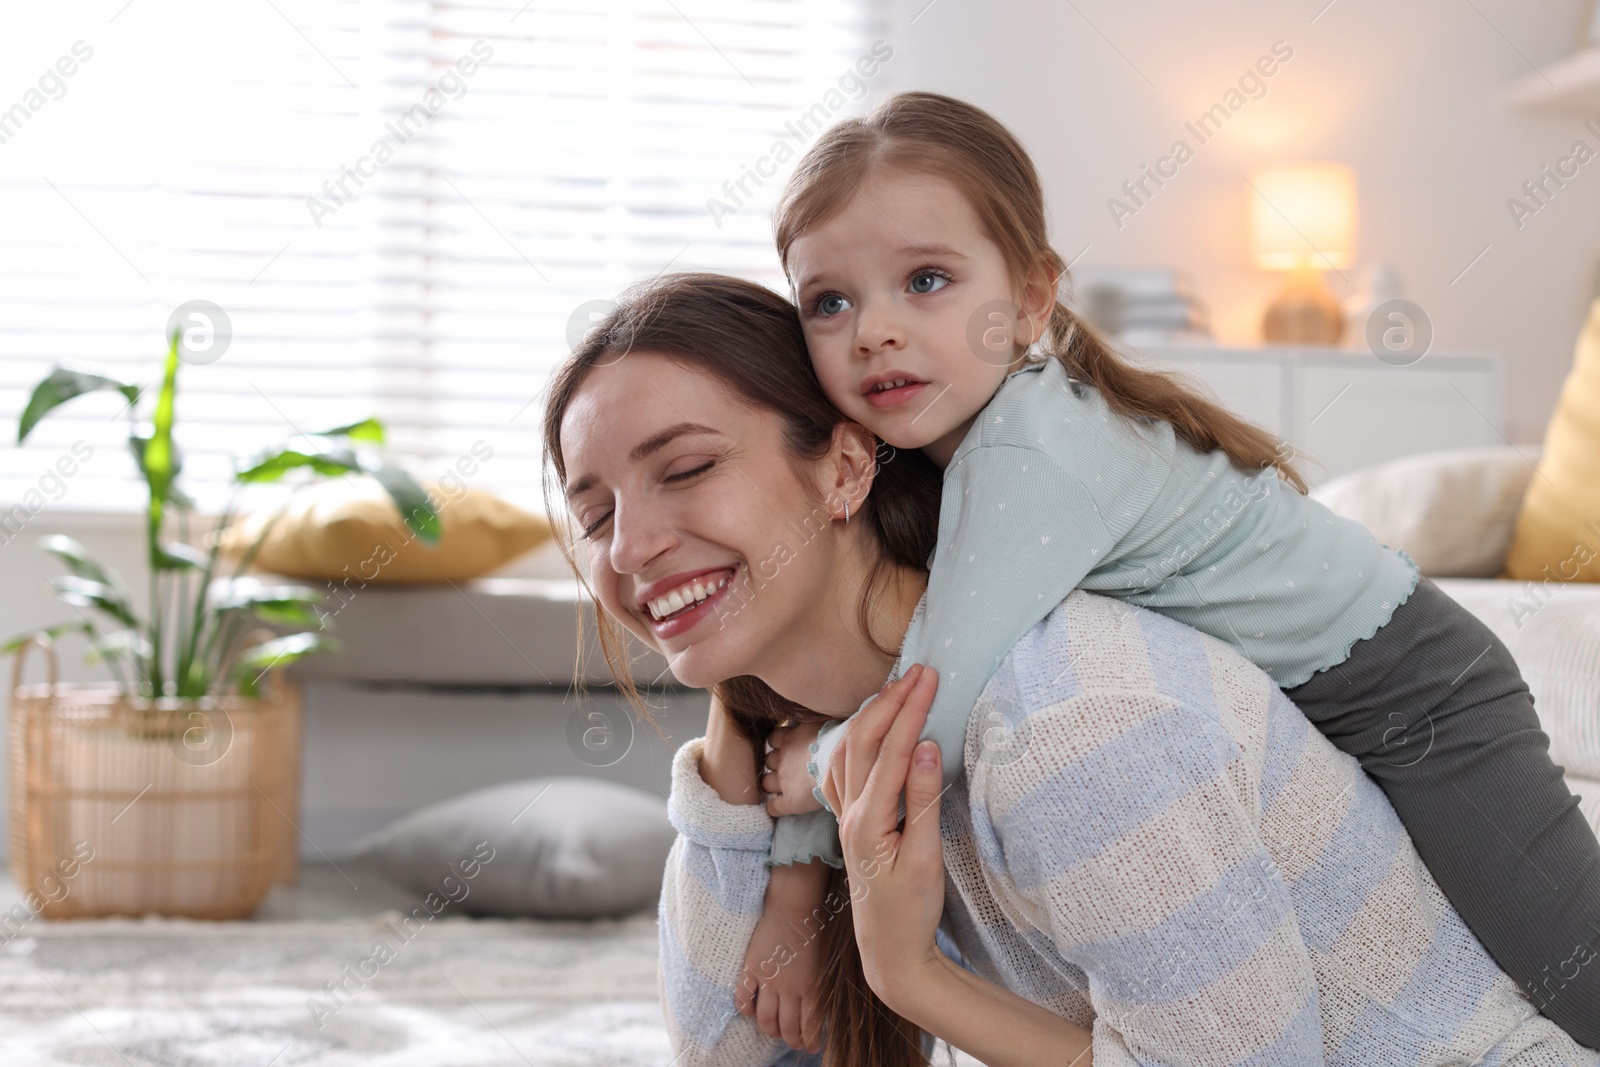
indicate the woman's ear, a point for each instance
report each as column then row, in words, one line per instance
column 852, row 466
column 1038, row 301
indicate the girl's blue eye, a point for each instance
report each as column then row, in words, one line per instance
column 928, row 281
column 831, row 304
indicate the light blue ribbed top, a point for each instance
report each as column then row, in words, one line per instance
column 1052, row 491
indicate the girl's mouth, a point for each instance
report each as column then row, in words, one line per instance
column 683, row 608
column 892, row 394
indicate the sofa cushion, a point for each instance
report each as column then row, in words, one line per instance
column 1451, row 511
column 1558, row 530
column 1553, row 630
column 564, row 847
column 349, row 530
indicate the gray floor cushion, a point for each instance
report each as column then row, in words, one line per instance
column 563, row 847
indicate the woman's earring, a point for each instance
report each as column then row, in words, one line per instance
column 847, row 512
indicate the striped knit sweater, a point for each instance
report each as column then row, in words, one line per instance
column 1148, row 839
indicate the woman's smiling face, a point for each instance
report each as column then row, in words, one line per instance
column 704, row 539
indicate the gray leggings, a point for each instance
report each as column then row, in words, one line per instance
column 1438, row 714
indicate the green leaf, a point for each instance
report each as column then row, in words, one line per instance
column 87, row 593
column 286, row 613
column 78, row 560
column 51, row 632
column 138, row 440
column 279, row 652
column 61, row 385
column 129, row 644
column 247, row 591
column 158, row 459
column 76, row 556
column 290, row 605
column 415, row 507
column 369, row 430
column 175, row 555
column 274, row 463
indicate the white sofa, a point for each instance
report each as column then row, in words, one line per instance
column 1453, row 512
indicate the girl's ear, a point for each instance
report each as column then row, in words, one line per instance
column 1038, row 301
column 853, row 464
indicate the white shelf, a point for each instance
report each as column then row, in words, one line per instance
column 1570, row 84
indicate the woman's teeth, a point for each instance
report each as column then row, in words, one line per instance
column 883, row 386
column 684, row 596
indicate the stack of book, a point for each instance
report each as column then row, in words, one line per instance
column 1139, row 305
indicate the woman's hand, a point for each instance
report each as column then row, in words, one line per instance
column 896, row 875
column 786, row 781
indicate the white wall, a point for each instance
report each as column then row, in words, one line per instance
column 1412, row 95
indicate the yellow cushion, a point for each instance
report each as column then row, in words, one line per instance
column 341, row 529
column 1558, row 532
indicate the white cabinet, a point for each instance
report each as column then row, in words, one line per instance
column 1342, row 410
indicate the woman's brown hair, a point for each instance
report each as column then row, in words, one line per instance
column 749, row 338
column 925, row 133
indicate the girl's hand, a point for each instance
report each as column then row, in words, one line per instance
column 778, row 984
column 786, row 782
column 896, row 875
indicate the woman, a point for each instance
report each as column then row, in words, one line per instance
column 1159, row 861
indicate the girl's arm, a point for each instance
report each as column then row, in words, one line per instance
column 712, row 895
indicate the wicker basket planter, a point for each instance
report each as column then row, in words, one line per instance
column 188, row 807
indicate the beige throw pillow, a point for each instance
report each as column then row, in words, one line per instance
column 351, row 529
column 1558, row 532
column 1451, row 511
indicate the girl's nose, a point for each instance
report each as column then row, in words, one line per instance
column 878, row 329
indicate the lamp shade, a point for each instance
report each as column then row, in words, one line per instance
column 1303, row 216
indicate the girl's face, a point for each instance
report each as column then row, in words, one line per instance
column 909, row 311
column 696, row 518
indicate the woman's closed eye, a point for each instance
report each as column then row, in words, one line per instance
column 592, row 527
column 697, row 466
column 681, row 475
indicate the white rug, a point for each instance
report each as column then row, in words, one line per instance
column 459, row 993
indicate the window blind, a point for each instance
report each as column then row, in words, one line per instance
column 400, row 206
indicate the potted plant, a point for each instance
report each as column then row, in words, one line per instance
column 186, row 729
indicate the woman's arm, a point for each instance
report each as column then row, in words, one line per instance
column 897, row 893
column 728, row 763
column 986, row 1020
column 712, row 896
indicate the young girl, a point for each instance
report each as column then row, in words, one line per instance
column 916, row 244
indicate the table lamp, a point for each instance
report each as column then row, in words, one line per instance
column 1303, row 220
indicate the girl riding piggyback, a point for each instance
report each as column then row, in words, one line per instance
column 915, row 242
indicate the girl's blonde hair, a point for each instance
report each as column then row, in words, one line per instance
column 926, row 133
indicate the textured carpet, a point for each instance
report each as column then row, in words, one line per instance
column 455, row 991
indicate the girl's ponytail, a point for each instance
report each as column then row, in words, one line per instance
column 1137, row 392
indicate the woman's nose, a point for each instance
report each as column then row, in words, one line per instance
column 638, row 536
